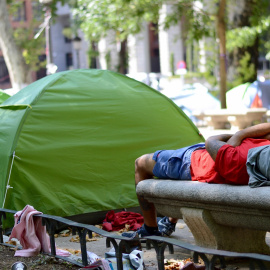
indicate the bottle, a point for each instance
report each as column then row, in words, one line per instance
column 18, row 266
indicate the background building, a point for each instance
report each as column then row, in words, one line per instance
column 63, row 52
column 153, row 52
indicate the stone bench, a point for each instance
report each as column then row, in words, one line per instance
column 240, row 119
column 223, row 217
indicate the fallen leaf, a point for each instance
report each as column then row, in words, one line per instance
column 76, row 239
column 12, row 242
column 73, row 251
column 180, row 226
column 64, row 232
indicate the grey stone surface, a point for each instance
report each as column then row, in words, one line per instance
column 198, row 192
column 217, row 215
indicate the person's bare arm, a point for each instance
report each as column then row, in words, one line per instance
column 258, row 131
column 214, row 143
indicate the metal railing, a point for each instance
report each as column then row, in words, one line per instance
column 126, row 245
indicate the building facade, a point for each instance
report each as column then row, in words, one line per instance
column 63, row 52
column 153, row 51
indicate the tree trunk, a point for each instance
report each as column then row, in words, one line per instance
column 19, row 73
column 221, row 31
column 123, row 58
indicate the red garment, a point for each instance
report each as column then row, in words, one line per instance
column 116, row 221
column 230, row 164
column 202, row 166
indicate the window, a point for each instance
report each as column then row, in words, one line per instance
column 19, row 15
column 69, row 60
column 67, row 40
column 154, row 48
column 37, row 11
column 67, row 29
column 42, row 71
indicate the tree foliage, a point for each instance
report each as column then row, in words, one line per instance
column 246, row 36
column 19, row 48
column 126, row 16
column 97, row 17
column 259, row 25
column 199, row 22
column 30, row 47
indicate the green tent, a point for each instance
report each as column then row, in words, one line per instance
column 3, row 96
column 69, row 141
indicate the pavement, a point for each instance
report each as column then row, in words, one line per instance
column 99, row 246
column 182, row 233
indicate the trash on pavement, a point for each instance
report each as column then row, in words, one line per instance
column 131, row 261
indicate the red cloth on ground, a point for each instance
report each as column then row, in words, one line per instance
column 230, row 164
column 116, row 221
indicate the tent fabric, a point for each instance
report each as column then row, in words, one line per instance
column 265, row 93
column 69, row 141
column 249, row 95
column 197, row 101
column 3, row 96
column 234, row 97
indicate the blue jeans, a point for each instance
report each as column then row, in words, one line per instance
column 174, row 164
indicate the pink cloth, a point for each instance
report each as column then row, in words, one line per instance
column 31, row 234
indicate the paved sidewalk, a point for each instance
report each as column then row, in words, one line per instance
column 99, row 247
column 182, row 233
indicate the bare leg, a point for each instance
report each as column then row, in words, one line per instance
column 144, row 170
column 144, row 166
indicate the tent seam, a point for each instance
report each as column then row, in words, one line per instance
column 8, row 186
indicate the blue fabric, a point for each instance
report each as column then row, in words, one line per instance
column 174, row 164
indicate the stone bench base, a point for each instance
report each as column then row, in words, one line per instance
column 227, row 217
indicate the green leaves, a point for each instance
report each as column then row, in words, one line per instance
column 123, row 16
column 246, row 36
column 31, row 48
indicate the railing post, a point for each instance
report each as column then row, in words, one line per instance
column 2, row 216
column 82, row 234
column 51, row 227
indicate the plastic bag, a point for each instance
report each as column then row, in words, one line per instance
column 131, row 261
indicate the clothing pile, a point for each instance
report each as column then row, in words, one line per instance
column 117, row 221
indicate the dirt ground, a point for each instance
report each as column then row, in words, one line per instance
column 7, row 259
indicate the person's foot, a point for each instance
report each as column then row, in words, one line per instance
column 140, row 233
column 165, row 226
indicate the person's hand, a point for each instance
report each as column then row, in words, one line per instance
column 235, row 140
